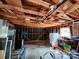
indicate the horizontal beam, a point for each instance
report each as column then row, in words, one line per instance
column 16, row 3
column 23, row 17
column 21, row 9
column 36, row 25
column 64, row 16
column 40, row 2
column 61, row 8
column 26, row 23
column 74, row 15
column 32, row 25
column 72, row 8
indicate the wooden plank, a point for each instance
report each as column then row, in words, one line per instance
column 16, row 3
column 57, row 1
column 40, row 2
column 26, row 23
column 64, row 16
column 21, row 9
column 41, row 25
column 17, row 16
column 72, row 8
column 61, row 8
column 73, row 15
column 31, row 8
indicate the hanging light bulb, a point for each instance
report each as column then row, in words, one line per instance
column 53, row 7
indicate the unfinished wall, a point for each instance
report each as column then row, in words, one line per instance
column 75, row 29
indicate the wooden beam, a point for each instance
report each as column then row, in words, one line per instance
column 57, row 1
column 15, row 20
column 16, row 3
column 6, row 10
column 21, row 9
column 32, row 25
column 74, row 15
column 72, row 8
column 40, row 2
column 7, row 15
column 62, row 15
column 61, row 8
column 31, row 8
column 23, row 17
column 26, row 23
column 37, row 25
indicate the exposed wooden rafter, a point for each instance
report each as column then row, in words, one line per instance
column 40, row 2
column 36, row 25
column 27, row 13
column 74, row 15
column 60, row 9
column 64, row 6
column 64, row 16
column 59, row 12
column 21, row 9
column 72, row 8
column 17, row 16
column 21, row 22
column 16, row 3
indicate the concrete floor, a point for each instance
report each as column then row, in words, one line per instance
column 34, row 52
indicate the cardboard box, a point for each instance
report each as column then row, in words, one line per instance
column 1, row 54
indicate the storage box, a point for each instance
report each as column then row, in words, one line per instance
column 1, row 54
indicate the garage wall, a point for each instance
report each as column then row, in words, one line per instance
column 75, row 29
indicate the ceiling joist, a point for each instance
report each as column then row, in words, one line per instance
column 23, row 17
column 40, row 2
column 17, row 21
column 72, row 8
column 16, row 3
column 21, row 10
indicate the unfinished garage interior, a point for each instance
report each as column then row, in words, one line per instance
column 39, row 29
